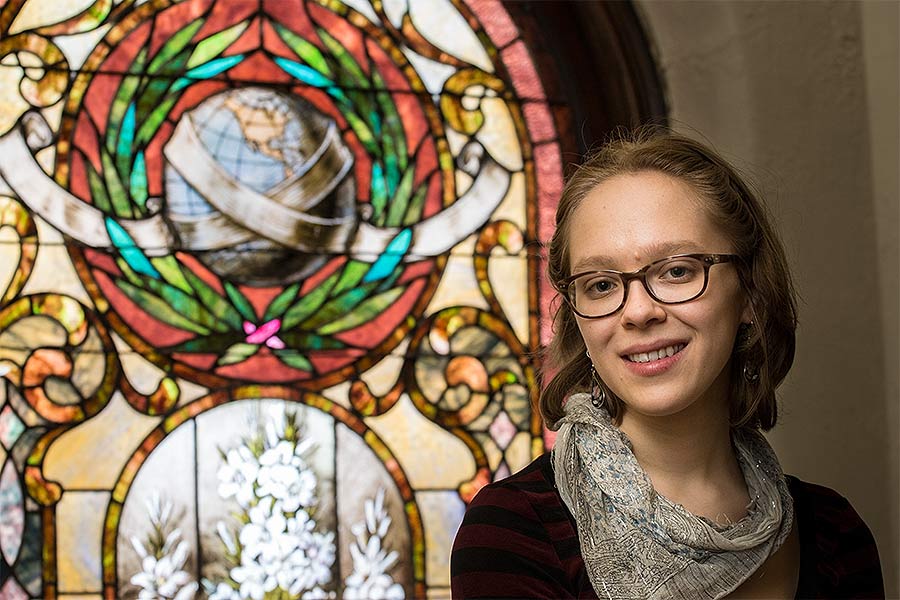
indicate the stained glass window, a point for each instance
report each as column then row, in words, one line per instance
column 269, row 291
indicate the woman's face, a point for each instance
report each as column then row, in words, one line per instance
column 623, row 224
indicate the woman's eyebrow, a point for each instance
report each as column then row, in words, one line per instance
column 600, row 262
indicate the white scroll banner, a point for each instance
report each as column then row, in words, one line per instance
column 257, row 212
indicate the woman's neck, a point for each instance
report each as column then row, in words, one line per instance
column 690, row 459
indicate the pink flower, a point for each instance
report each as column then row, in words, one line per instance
column 264, row 334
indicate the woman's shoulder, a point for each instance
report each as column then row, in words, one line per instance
column 525, row 501
column 518, row 540
column 839, row 557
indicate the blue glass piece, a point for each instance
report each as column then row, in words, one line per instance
column 126, row 133
column 130, row 252
column 390, row 258
column 214, row 67
column 180, row 84
column 138, row 183
column 306, row 74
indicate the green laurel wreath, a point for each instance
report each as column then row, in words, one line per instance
column 170, row 291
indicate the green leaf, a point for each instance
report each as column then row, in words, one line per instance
column 125, row 95
column 170, row 269
column 186, row 305
column 239, row 301
column 417, row 205
column 209, row 344
column 393, row 124
column 362, row 131
column 150, row 96
column 308, row 304
column 151, row 125
column 237, row 353
column 119, row 107
column 129, row 273
column 366, row 311
column 294, row 359
column 400, row 201
column 306, row 50
column 352, row 274
column 173, row 46
column 99, row 196
column 118, row 197
column 337, row 307
column 215, row 303
column 349, row 67
column 209, row 48
column 159, row 308
column 305, row 340
column 281, row 302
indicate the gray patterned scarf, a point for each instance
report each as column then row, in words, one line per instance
column 636, row 543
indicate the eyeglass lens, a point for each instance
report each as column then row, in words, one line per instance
column 678, row 279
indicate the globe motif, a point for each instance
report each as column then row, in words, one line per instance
column 268, row 142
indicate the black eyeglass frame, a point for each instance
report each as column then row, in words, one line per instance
column 708, row 260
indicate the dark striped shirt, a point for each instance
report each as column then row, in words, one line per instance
column 518, row 540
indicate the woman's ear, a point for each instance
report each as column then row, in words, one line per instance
column 747, row 311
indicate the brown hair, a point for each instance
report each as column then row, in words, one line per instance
column 765, row 349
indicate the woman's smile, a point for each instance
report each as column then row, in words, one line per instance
column 655, row 362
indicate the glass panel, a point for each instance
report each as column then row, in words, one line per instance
column 267, row 303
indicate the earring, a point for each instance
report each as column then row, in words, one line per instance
column 598, row 395
column 750, row 374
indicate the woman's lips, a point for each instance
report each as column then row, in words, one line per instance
column 654, row 362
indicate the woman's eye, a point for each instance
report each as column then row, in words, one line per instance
column 679, row 272
column 599, row 287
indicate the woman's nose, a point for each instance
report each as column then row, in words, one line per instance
column 640, row 308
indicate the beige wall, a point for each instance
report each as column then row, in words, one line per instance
column 803, row 97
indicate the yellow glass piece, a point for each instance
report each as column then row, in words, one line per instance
column 438, row 593
column 498, row 134
column 458, row 286
column 9, row 250
column 53, row 272
column 442, row 512
column 492, row 452
column 36, row 13
column 502, row 269
column 430, row 456
column 12, row 105
column 512, row 208
column 432, row 72
column 143, row 375
column 518, row 454
column 189, row 391
column 76, row 459
column 17, row 340
column 339, row 394
column 383, row 375
column 364, row 7
column 79, row 530
column 445, row 27
column 78, row 47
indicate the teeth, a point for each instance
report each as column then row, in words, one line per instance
column 643, row 357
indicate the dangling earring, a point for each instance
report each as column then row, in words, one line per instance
column 751, row 373
column 598, row 395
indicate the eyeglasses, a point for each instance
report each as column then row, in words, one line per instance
column 670, row 280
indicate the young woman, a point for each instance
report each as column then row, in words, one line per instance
column 676, row 326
